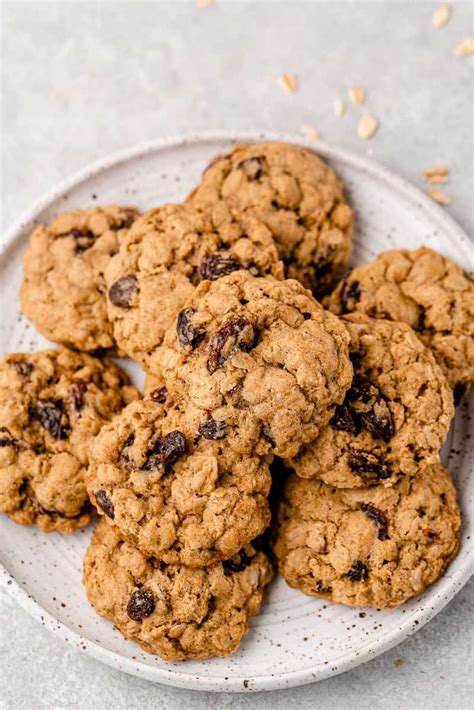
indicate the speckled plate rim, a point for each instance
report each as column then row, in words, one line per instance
column 446, row 588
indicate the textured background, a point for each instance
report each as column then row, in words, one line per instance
column 81, row 79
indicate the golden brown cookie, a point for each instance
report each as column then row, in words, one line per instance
column 297, row 196
column 167, row 252
column 171, row 610
column 170, row 484
column 262, row 357
column 425, row 290
column 52, row 404
column 394, row 418
column 374, row 547
column 63, row 290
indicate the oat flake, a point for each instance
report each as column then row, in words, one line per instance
column 339, row 107
column 465, row 49
column 440, row 197
column 437, row 175
column 288, row 82
column 311, row 132
column 367, row 126
column 357, row 95
column 441, row 15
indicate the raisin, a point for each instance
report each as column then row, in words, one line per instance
column 368, row 466
column 430, row 534
column 188, row 335
column 76, row 394
column 213, row 266
column 159, row 395
column 173, row 445
column 212, row 429
column 104, row 503
column 321, row 588
column 253, row 167
column 358, row 571
column 6, row 439
column 23, row 368
column 343, row 419
column 141, row 604
column 236, row 334
column 350, row 292
column 84, row 239
column 420, row 323
column 378, row 517
column 237, row 563
column 367, row 404
column 459, row 391
column 123, row 290
column 52, row 417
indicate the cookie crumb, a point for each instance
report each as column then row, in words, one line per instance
column 465, row 49
column 441, row 15
column 357, row 95
column 310, row 132
column 367, row 126
column 398, row 662
column 440, row 197
column 437, row 175
column 339, row 107
column 288, row 82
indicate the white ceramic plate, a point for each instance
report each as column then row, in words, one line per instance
column 296, row 639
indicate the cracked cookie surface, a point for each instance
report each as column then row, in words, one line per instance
column 297, row 196
column 263, row 357
column 63, row 290
column 168, row 482
column 374, row 547
column 394, row 418
column 171, row 610
column 51, row 404
column 425, row 290
column 167, row 252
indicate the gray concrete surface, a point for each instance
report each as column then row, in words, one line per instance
column 81, row 79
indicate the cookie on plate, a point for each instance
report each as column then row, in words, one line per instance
column 425, row 290
column 171, row 610
column 394, row 418
column 52, row 403
column 171, row 486
column 167, row 252
column 374, row 547
column 297, row 196
column 260, row 356
column 63, row 290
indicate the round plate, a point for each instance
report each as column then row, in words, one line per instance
column 296, row 639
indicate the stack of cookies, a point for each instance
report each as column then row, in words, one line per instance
column 257, row 372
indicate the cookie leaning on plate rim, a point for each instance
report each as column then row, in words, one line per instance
column 426, row 290
column 300, row 199
column 52, row 403
column 63, row 290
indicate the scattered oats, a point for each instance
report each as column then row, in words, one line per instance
column 311, row 133
column 465, row 49
column 357, row 95
column 367, row 126
column 203, row 3
column 339, row 107
column 440, row 197
column 437, row 175
column 441, row 15
column 399, row 662
column 288, row 82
